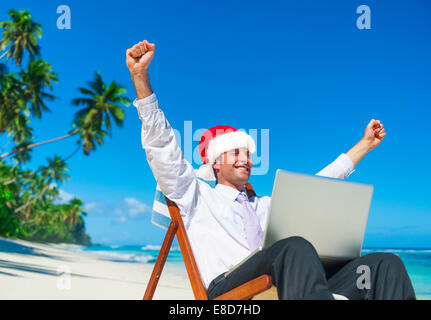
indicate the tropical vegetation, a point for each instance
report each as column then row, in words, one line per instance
column 30, row 204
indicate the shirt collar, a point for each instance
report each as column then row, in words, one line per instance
column 228, row 192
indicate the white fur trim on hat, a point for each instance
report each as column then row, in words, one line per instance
column 229, row 141
column 222, row 143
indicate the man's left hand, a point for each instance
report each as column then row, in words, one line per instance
column 374, row 134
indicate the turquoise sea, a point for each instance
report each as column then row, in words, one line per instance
column 417, row 260
column 418, row 264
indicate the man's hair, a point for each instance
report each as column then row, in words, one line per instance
column 219, row 158
column 215, row 175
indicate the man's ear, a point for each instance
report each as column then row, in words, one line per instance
column 216, row 170
column 216, row 166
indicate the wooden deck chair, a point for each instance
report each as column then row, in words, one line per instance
column 176, row 227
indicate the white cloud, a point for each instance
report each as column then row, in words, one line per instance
column 64, row 196
column 94, row 207
column 120, row 219
column 135, row 207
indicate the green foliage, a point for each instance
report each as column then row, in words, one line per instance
column 29, row 207
column 9, row 225
column 29, row 200
column 100, row 108
column 20, row 35
column 58, row 223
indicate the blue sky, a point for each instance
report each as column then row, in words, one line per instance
column 301, row 69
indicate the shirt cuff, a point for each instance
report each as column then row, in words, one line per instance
column 146, row 104
column 147, row 100
column 346, row 163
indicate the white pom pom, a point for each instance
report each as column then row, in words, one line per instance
column 206, row 172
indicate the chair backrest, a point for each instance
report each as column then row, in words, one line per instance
column 198, row 288
column 160, row 215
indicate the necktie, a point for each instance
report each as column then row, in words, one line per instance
column 252, row 227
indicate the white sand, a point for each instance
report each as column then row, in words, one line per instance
column 39, row 271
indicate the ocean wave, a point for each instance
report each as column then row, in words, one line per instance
column 157, row 247
column 125, row 257
column 151, row 247
column 397, row 250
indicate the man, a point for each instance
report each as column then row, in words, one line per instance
column 224, row 225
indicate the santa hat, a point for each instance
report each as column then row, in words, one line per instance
column 217, row 140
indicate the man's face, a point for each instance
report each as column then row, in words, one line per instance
column 234, row 167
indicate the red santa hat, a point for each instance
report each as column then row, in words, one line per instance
column 217, row 140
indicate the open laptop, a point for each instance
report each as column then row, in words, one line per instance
column 330, row 213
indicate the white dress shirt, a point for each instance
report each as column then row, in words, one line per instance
column 211, row 216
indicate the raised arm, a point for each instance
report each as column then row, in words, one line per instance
column 374, row 134
column 174, row 174
column 344, row 165
column 138, row 60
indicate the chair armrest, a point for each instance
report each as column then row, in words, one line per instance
column 248, row 290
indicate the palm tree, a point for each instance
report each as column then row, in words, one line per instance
column 20, row 128
column 21, row 35
column 21, row 95
column 90, row 134
column 27, row 198
column 54, row 172
column 100, row 105
column 11, row 99
column 26, row 87
column 74, row 211
column 38, row 76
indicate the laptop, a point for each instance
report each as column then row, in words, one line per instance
column 330, row 213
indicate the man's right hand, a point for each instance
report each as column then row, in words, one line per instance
column 138, row 59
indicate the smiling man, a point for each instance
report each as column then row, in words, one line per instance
column 224, row 225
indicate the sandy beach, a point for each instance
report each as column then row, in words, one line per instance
column 31, row 270
column 52, row 271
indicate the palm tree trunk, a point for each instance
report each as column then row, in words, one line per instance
column 34, row 172
column 15, row 179
column 4, row 54
column 31, row 146
column 72, row 154
column 34, row 198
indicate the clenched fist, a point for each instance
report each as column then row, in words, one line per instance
column 374, row 133
column 139, row 56
column 138, row 59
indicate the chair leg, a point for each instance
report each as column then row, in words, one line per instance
column 160, row 262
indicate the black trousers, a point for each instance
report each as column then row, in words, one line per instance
column 298, row 273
